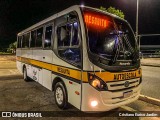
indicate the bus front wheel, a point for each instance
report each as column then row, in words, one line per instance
column 60, row 95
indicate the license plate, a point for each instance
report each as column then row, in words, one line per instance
column 127, row 94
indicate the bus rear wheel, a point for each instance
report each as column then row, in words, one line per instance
column 60, row 95
column 25, row 77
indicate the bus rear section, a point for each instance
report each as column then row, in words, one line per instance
column 113, row 57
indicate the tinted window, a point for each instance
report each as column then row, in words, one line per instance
column 48, row 34
column 33, row 38
column 39, row 37
column 75, row 40
column 109, row 38
column 71, row 54
column 64, row 35
column 19, row 42
column 25, row 41
column 68, row 42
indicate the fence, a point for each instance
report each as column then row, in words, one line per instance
column 149, row 45
column 150, row 55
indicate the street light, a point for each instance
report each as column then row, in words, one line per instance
column 137, row 19
column 137, row 24
column 136, row 33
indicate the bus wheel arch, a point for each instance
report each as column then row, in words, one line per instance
column 60, row 93
column 25, row 76
column 24, row 66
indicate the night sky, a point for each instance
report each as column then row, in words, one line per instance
column 16, row 15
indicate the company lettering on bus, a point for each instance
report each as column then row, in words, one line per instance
column 95, row 20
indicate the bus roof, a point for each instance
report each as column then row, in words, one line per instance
column 74, row 7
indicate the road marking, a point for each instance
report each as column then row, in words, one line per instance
column 150, row 100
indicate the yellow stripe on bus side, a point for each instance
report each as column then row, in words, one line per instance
column 76, row 74
column 114, row 76
column 41, row 64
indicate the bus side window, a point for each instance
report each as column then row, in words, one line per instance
column 25, row 41
column 33, row 38
column 48, row 34
column 39, row 37
column 19, row 42
column 75, row 40
column 68, row 43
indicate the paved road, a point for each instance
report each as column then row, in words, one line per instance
column 151, row 81
column 18, row 95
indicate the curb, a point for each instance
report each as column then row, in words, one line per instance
column 150, row 65
column 149, row 100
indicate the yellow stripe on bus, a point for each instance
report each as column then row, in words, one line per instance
column 114, row 76
column 76, row 74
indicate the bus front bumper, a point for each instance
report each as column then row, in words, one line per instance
column 94, row 100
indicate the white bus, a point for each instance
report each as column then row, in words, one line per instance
column 87, row 57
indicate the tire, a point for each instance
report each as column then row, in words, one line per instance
column 60, row 95
column 25, row 77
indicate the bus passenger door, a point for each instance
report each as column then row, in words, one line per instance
column 68, row 43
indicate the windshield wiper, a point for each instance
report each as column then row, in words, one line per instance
column 116, row 47
column 134, row 52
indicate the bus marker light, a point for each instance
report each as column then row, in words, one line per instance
column 77, row 92
column 70, row 82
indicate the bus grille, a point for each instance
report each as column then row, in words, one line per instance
column 123, row 85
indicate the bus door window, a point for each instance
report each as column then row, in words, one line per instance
column 64, row 35
column 68, row 43
column 75, row 40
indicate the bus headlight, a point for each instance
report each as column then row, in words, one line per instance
column 94, row 103
column 97, row 83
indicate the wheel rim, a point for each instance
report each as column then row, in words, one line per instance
column 59, row 95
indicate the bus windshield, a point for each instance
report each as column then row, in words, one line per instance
column 109, row 38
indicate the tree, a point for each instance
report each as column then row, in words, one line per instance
column 12, row 47
column 113, row 11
